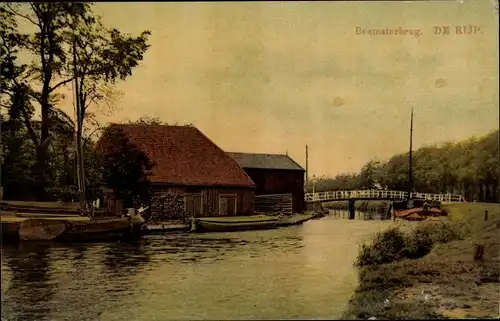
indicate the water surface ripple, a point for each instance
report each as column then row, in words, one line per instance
column 301, row 272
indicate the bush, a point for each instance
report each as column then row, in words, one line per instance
column 394, row 244
column 386, row 247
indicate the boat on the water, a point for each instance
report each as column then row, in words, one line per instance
column 246, row 223
column 296, row 219
column 417, row 210
column 164, row 227
column 234, row 223
column 70, row 229
column 414, row 209
column 40, row 224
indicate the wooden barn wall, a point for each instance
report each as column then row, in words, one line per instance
column 280, row 181
column 210, row 196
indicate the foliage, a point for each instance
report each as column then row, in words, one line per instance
column 17, row 160
column 469, row 168
column 395, row 290
column 394, row 244
column 380, row 207
column 64, row 35
column 125, row 167
column 146, row 120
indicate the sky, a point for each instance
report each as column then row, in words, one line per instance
column 273, row 77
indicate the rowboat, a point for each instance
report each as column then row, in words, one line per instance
column 230, row 224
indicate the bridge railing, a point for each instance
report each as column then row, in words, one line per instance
column 380, row 194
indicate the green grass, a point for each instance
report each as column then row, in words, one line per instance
column 457, row 285
column 471, row 215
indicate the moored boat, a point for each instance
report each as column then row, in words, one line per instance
column 296, row 219
column 417, row 210
column 163, row 227
column 102, row 229
column 69, row 229
column 231, row 224
column 414, row 209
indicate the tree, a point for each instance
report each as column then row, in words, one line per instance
column 44, row 75
column 146, row 120
column 469, row 168
column 125, row 167
column 368, row 175
column 100, row 57
column 69, row 44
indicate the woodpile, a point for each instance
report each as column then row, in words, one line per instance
column 274, row 203
column 167, row 207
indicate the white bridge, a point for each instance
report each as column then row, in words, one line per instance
column 374, row 194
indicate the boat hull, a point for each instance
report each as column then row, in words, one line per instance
column 102, row 230
column 217, row 226
column 67, row 230
column 419, row 213
column 150, row 228
column 290, row 221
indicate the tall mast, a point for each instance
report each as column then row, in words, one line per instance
column 410, row 177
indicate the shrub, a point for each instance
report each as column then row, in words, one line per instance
column 386, row 247
column 394, row 244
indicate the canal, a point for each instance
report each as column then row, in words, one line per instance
column 300, row 272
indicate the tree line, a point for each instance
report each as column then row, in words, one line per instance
column 469, row 168
column 62, row 45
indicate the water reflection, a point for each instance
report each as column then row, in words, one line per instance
column 30, row 286
column 121, row 258
column 300, row 272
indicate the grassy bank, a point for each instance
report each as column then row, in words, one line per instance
column 430, row 271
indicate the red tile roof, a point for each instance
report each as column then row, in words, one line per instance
column 184, row 156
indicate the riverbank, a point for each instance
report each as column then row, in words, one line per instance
column 445, row 283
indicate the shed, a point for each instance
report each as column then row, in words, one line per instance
column 187, row 162
column 274, row 174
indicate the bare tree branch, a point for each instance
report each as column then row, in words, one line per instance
column 13, row 11
column 62, row 83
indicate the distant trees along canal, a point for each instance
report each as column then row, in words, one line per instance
column 469, row 168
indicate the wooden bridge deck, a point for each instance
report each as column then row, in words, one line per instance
column 379, row 195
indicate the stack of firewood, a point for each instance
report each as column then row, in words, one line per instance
column 167, row 207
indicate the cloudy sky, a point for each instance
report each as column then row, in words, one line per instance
column 273, row 77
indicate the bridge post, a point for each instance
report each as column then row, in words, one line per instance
column 352, row 212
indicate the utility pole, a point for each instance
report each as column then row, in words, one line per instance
column 307, row 165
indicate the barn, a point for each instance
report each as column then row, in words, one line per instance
column 188, row 163
column 274, row 174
